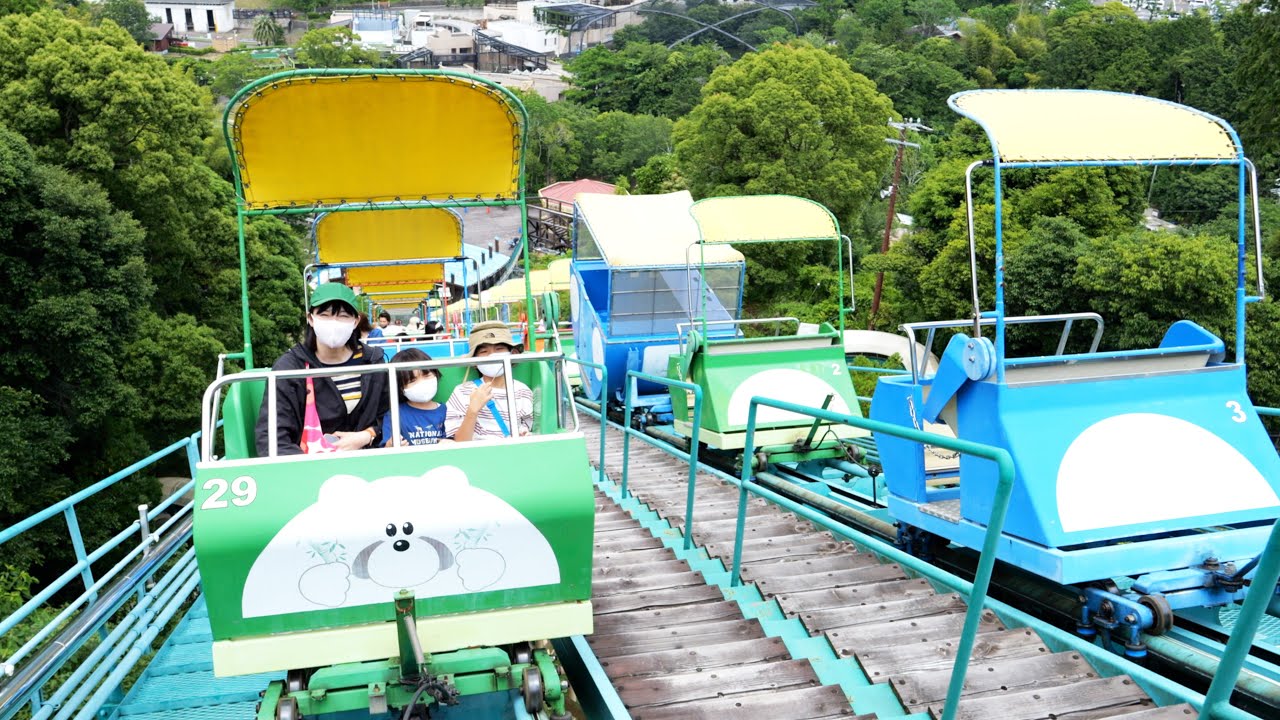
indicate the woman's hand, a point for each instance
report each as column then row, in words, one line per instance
column 352, row 440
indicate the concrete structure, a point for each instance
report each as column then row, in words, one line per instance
column 376, row 29
column 559, row 27
column 195, row 16
column 442, row 36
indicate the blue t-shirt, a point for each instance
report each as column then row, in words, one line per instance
column 417, row 427
column 375, row 333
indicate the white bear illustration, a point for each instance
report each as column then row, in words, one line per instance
column 364, row 540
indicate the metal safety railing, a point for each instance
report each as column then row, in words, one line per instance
column 919, row 364
column 1217, row 701
column 692, row 456
column 995, row 524
column 209, row 407
column 604, row 383
column 102, row 595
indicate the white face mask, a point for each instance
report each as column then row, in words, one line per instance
column 490, row 370
column 422, row 390
column 332, row 333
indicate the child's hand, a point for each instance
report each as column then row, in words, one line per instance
column 480, row 397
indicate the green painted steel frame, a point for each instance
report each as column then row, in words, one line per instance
column 246, row 355
column 838, row 238
column 632, row 377
column 604, row 382
column 986, row 562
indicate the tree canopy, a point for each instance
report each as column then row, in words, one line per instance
column 120, row 235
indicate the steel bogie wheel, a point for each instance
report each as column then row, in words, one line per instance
column 533, row 700
column 1162, row 614
column 288, row 710
column 296, row 681
column 522, row 653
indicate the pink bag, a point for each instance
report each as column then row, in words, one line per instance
column 313, row 439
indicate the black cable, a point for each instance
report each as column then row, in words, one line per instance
column 408, row 709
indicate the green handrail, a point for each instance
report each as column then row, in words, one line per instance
column 995, row 525
column 1217, row 702
column 627, row 430
column 604, row 383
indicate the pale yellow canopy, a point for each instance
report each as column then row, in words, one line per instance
column 1083, row 125
column 763, row 217
column 326, row 139
column 639, row 230
column 558, row 274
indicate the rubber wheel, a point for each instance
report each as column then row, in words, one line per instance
column 532, row 687
column 288, row 710
column 1162, row 614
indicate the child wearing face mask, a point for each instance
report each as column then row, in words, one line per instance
column 421, row 417
column 478, row 408
column 349, row 404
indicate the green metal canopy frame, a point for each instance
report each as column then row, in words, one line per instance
column 329, row 109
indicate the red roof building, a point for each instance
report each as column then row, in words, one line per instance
column 559, row 196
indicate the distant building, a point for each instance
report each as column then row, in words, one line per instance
column 444, row 37
column 161, row 36
column 560, row 196
column 195, row 16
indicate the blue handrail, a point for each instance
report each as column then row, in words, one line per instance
column 995, row 524
column 85, row 560
column 632, row 377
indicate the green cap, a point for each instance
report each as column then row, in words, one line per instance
column 328, row 292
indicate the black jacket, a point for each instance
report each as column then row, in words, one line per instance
column 291, row 401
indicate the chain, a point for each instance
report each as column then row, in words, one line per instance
column 932, row 449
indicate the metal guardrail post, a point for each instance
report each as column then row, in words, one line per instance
column 632, row 377
column 1217, row 702
column 77, row 544
column 626, row 431
column 604, row 383
column 995, row 525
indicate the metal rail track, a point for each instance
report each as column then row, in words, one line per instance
column 899, row 629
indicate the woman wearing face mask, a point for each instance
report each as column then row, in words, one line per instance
column 478, row 408
column 349, row 406
column 421, row 417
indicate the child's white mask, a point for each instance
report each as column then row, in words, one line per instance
column 490, row 370
column 422, row 390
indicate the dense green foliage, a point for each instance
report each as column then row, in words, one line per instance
column 119, row 250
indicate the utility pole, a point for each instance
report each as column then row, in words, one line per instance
column 901, row 141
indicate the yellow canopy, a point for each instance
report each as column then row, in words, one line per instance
column 1079, row 125
column 396, row 277
column 390, row 235
column 314, row 139
column 343, row 237
column 763, row 217
column 639, row 230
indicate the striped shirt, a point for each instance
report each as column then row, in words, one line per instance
column 486, row 427
column 349, row 385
